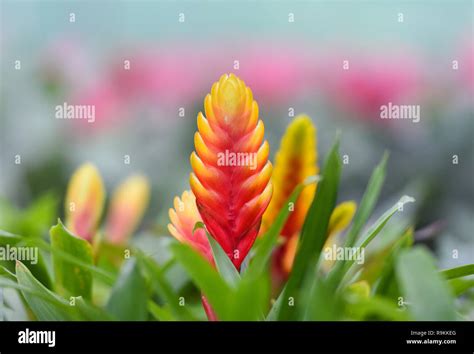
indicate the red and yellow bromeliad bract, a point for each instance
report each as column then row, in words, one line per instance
column 231, row 172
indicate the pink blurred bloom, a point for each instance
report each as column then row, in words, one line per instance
column 276, row 73
column 372, row 82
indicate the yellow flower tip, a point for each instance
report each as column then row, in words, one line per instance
column 84, row 201
column 230, row 98
column 341, row 217
column 127, row 207
column 360, row 288
column 295, row 161
column 183, row 216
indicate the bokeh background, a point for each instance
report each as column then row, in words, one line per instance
column 417, row 52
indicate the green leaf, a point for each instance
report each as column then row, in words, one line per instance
column 249, row 300
column 428, row 295
column 158, row 312
column 46, row 305
column 375, row 308
column 163, row 288
column 275, row 309
column 458, row 272
column 9, row 238
column 323, row 304
column 103, row 274
column 360, row 219
column 70, row 278
column 375, row 229
column 39, row 269
column 89, row 312
column 206, row 278
column 313, row 234
column 382, row 221
column 223, row 263
column 270, row 239
column 129, row 299
column 459, row 285
column 387, row 284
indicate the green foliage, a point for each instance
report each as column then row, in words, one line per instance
column 313, row 234
column 396, row 282
column 70, row 278
column 129, row 297
column 427, row 293
column 46, row 305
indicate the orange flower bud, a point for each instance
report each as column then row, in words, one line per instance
column 127, row 207
column 84, row 201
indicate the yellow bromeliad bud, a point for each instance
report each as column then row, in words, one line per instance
column 127, row 207
column 183, row 218
column 294, row 162
column 84, row 201
column 340, row 219
column 231, row 171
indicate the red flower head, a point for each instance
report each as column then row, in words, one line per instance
column 231, row 171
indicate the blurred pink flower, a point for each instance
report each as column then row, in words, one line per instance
column 170, row 77
column 276, row 73
column 468, row 63
column 371, row 82
column 108, row 104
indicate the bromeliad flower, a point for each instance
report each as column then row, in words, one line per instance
column 295, row 161
column 84, row 201
column 231, row 171
column 183, row 218
column 127, row 208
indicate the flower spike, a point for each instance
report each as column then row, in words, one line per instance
column 127, row 207
column 231, row 172
column 84, row 201
column 294, row 162
column 183, row 218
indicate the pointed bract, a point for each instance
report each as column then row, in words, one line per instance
column 294, row 162
column 127, row 207
column 184, row 217
column 84, row 201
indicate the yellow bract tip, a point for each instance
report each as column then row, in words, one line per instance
column 341, row 217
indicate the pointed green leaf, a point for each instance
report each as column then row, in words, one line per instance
column 70, row 278
column 462, row 271
column 428, row 295
column 270, row 239
column 163, row 288
column 360, row 219
column 224, row 265
column 129, row 299
column 313, row 234
column 206, row 278
column 46, row 305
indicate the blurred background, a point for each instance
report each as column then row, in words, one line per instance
column 146, row 66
